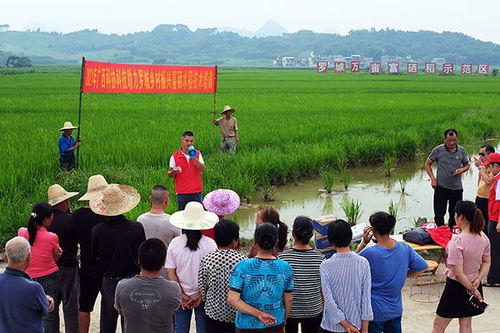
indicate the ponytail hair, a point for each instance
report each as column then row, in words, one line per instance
column 302, row 229
column 40, row 212
column 193, row 238
column 271, row 215
column 472, row 214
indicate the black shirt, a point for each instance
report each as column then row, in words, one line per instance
column 62, row 226
column 84, row 220
column 115, row 243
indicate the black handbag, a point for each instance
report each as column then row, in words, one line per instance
column 418, row 236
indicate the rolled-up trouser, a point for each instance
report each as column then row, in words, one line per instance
column 228, row 145
column 51, row 286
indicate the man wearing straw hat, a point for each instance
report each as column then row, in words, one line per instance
column 84, row 220
column 67, row 146
column 62, row 225
column 229, row 129
column 115, row 244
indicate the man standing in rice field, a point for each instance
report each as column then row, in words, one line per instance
column 229, row 129
column 67, row 146
column 452, row 161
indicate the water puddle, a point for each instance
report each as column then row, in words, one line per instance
column 368, row 185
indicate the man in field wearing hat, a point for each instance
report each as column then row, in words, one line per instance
column 84, row 220
column 67, row 146
column 115, row 244
column 229, row 129
column 62, row 225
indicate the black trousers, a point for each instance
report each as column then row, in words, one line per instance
column 494, row 236
column 445, row 197
column 215, row 326
column 109, row 315
column 67, row 162
column 309, row 325
column 482, row 204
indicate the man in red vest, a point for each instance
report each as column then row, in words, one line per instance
column 493, row 164
column 186, row 171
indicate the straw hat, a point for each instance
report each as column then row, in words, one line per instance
column 222, row 202
column 227, row 108
column 193, row 217
column 67, row 126
column 57, row 194
column 96, row 185
column 115, row 200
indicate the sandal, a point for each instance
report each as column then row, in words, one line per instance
column 491, row 285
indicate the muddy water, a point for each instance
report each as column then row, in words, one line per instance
column 369, row 185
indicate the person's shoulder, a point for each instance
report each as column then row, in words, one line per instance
column 208, row 241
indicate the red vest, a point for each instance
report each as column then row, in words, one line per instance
column 493, row 203
column 187, row 181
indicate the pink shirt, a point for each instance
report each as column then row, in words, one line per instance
column 187, row 262
column 467, row 250
column 42, row 252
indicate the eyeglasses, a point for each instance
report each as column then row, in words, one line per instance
column 482, row 154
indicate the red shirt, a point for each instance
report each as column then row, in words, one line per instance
column 188, row 181
column 42, row 252
column 493, row 202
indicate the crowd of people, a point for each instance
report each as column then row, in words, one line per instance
column 154, row 274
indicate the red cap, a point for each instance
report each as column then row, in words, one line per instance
column 492, row 158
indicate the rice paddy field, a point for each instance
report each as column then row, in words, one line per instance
column 292, row 124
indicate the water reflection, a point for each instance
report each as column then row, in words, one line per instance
column 369, row 185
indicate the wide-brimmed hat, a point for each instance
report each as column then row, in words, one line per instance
column 115, row 200
column 193, row 217
column 222, row 202
column 67, row 126
column 57, row 194
column 227, row 108
column 96, row 185
column 492, row 158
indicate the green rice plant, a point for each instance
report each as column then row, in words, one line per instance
column 346, row 177
column 328, row 180
column 393, row 209
column 390, row 163
column 403, row 181
column 352, row 210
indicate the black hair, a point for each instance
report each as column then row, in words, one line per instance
column 40, row 211
column 266, row 236
column 450, row 132
column 193, row 237
column 382, row 222
column 159, row 187
column 187, row 133
column 469, row 210
column 271, row 215
column 226, row 232
column 152, row 254
column 489, row 148
column 339, row 233
column 302, row 229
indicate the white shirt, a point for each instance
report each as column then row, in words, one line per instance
column 172, row 160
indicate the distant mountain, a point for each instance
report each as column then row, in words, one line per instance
column 177, row 44
column 270, row 28
column 241, row 32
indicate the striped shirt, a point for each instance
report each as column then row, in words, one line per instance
column 346, row 283
column 307, row 300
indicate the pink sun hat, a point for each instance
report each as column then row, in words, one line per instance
column 221, row 202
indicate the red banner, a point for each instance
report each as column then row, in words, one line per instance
column 103, row 77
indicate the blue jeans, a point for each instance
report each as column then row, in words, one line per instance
column 183, row 319
column 183, row 199
column 388, row 326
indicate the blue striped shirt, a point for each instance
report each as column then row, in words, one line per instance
column 346, row 284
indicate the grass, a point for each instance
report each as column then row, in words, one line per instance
column 328, row 180
column 292, row 124
column 352, row 210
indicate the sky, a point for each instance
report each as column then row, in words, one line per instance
column 479, row 19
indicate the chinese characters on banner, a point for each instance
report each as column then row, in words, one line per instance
column 375, row 68
column 412, row 67
column 483, row 69
column 466, row 69
column 339, row 66
column 393, row 67
column 448, row 69
column 102, row 77
column 430, row 68
column 355, row 66
column 322, row 67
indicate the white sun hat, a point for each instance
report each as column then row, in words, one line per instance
column 194, row 217
column 67, row 126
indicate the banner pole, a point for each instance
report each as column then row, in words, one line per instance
column 80, row 111
column 215, row 104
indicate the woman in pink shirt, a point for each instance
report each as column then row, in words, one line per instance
column 467, row 264
column 45, row 251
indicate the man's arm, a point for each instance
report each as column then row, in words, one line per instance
column 428, row 169
column 171, row 172
column 199, row 164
